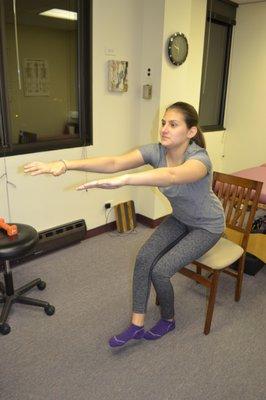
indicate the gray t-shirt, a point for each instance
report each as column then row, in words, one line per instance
column 195, row 204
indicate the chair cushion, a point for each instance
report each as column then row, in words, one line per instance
column 14, row 246
column 222, row 254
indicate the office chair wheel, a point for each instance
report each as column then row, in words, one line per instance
column 41, row 285
column 5, row 329
column 49, row 310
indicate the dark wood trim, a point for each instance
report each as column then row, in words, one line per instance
column 221, row 19
column 213, row 128
column 85, row 30
column 111, row 226
column 222, row 14
column 151, row 223
column 4, row 123
column 226, row 72
column 27, row 148
column 231, row 3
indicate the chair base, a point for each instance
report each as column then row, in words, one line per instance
column 9, row 296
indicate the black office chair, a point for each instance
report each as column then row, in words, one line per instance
column 12, row 247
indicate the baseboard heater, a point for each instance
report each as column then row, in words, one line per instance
column 55, row 238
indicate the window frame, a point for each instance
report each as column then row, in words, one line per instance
column 84, row 86
column 214, row 17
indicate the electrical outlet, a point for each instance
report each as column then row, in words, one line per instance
column 108, row 204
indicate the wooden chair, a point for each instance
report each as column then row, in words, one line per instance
column 239, row 197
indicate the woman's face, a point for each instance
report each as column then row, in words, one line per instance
column 174, row 131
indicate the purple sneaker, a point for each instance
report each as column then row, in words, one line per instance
column 160, row 329
column 132, row 332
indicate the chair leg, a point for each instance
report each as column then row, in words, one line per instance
column 28, row 286
column 32, row 302
column 211, row 302
column 5, row 310
column 240, row 273
column 198, row 270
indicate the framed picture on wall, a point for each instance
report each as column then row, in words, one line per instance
column 36, row 77
column 117, row 76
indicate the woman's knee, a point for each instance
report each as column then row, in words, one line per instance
column 144, row 255
column 143, row 260
column 159, row 273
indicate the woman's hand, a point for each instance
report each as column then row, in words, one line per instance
column 37, row 168
column 110, row 183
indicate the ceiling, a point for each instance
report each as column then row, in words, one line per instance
column 28, row 10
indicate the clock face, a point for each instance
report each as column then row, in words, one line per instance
column 177, row 48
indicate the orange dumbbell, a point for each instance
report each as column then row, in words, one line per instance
column 11, row 230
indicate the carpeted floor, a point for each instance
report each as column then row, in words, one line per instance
column 66, row 356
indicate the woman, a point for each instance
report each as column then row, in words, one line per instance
column 183, row 173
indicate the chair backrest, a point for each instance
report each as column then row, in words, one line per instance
column 239, row 197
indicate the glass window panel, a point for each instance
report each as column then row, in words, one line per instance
column 212, row 89
column 45, row 106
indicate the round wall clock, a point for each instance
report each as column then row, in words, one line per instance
column 177, row 48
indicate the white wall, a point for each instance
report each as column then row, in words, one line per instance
column 175, row 83
column 179, row 83
column 215, row 142
column 245, row 137
column 3, row 191
column 151, row 57
column 137, row 31
column 46, row 201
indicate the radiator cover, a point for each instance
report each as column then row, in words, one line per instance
column 55, row 238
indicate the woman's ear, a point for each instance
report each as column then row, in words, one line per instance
column 192, row 132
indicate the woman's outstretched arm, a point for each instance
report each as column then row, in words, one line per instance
column 132, row 159
column 190, row 171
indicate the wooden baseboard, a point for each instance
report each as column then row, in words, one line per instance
column 111, row 226
column 151, row 223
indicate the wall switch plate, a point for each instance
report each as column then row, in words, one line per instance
column 147, row 92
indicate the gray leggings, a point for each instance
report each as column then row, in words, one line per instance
column 172, row 246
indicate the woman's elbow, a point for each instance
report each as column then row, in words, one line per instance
column 181, row 177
